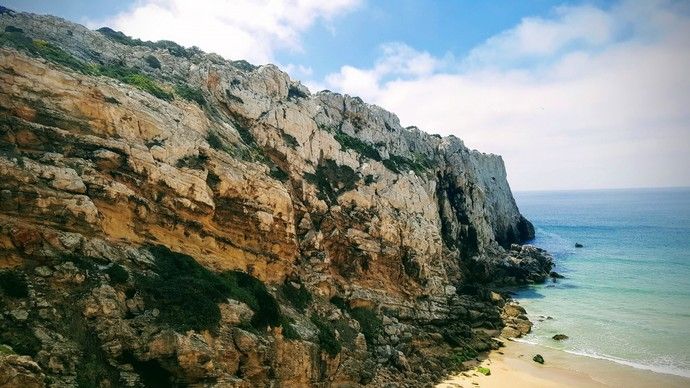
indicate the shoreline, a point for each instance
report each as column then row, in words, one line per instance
column 631, row 364
column 512, row 365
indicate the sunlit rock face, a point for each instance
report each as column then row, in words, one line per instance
column 168, row 215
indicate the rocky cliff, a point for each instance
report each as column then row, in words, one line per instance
column 169, row 217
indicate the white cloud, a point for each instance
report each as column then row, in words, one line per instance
column 236, row 29
column 397, row 60
column 538, row 37
column 297, row 71
column 589, row 98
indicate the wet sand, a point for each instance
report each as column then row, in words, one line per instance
column 512, row 366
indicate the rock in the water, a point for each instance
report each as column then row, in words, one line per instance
column 556, row 275
column 560, row 337
column 538, row 358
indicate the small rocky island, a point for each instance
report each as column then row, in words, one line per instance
column 172, row 217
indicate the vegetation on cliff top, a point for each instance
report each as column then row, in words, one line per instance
column 128, row 75
column 172, row 47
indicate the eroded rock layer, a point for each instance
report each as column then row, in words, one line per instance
column 170, row 217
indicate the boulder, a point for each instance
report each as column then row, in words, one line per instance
column 20, row 372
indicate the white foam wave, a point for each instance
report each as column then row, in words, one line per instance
column 664, row 369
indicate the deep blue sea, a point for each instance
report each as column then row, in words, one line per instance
column 626, row 296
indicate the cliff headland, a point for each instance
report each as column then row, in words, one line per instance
column 170, row 217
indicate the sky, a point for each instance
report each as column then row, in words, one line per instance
column 572, row 94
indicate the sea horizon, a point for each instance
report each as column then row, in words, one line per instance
column 641, row 188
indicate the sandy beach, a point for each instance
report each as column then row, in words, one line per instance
column 512, row 366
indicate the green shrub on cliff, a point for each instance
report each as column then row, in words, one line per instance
column 187, row 294
column 59, row 56
column 41, row 48
column 250, row 290
column 172, row 47
column 348, row 142
column 153, row 62
column 328, row 340
column 331, row 179
column 339, row 302
column 20, row 337
column 135, row 78
column 296, row 294
column 346, row 334
column 369, row 322
column 401, row 164
column 14, row 284
column 190, row 94
column 52, row 53
column 117, row 273
column 13, row 29
column 94, row 369
column 279, row 174
column 289, row 331
column 216, row 142
column 290, row 140
column 456, row 359
column 195, row 162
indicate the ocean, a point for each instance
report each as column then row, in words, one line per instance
column 626, row 295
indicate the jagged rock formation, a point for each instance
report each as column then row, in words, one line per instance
column 169, row 216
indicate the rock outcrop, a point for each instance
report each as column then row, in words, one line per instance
column 171, row 216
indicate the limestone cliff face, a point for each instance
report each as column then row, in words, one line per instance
column 375, row 242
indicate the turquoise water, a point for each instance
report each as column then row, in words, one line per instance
column 627, row 293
